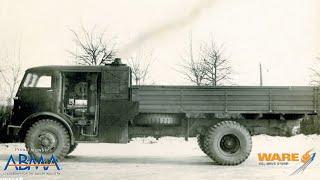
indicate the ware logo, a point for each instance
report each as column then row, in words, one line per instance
column 306, row 159
column 26, row 162
column 277, row 158
column 284, row 158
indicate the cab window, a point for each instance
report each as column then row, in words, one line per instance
column 37, row 81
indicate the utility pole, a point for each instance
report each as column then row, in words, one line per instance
column 191, row 48
column 261, row 80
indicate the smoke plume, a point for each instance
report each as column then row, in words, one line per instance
column 167, row 27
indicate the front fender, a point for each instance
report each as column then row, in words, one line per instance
column 36, row 116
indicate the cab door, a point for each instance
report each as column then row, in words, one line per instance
column 35, row 94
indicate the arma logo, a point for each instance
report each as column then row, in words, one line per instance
column 26, row 163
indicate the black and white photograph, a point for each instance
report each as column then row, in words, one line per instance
column 160, row 89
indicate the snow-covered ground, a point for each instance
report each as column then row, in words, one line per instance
column 173, row 158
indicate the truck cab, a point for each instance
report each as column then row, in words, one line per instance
column 90, row 103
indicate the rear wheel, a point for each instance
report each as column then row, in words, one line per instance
column 200, row 141
column 47, row 137
column 228, row 143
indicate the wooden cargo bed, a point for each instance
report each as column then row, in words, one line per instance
column 231, row 99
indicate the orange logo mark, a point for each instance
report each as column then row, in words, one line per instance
column 306, row 156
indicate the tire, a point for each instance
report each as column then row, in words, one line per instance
column 228, row 143
column 200, row 141
column 47, row 137
column 157, row 120
column 72, row 148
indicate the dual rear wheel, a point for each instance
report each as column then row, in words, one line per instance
column 226, row 143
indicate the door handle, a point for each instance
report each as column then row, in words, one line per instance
column 50, row 90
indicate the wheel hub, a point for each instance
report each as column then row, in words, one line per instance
column 47, row 140
column 230, row 143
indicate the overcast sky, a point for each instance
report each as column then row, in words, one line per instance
column 284, row 35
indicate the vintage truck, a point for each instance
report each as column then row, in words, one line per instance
column 58, row 106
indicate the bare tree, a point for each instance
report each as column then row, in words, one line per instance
column 140, row 64
column 194, row 72
column 315, row 78
column 209, row 69
column 193, row 69
column 11, row 75
column 92, row 47
column 217, row 68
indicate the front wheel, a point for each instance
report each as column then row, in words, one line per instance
column 72, row 148
column 46, row 137
column 228, row 143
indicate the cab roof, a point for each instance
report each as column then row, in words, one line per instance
column 76, row 68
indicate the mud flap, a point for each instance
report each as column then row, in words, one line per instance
column 5, row 137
